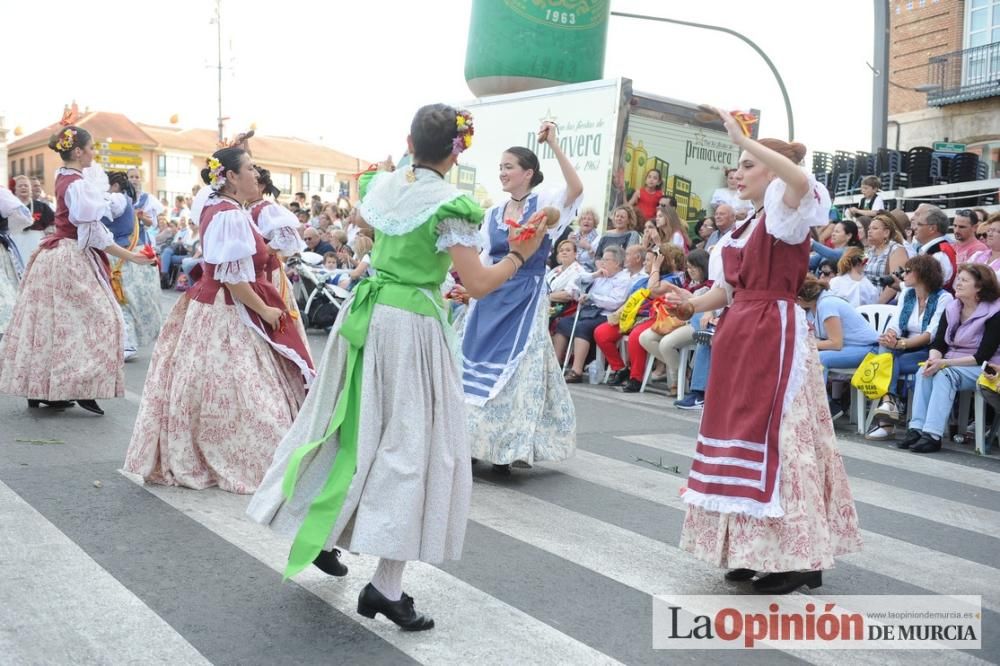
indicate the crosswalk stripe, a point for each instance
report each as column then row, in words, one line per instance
column 883, row 555
column 631, row 559
column 459, row 635
column 937, row 509
column 58, row 606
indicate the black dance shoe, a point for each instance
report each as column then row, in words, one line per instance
column 91, row 406
column 502, row 470
column 912, row 437
column 740, row 575
column 54, row 404
column 371, row 602
column 328, row 561
column 787, row 581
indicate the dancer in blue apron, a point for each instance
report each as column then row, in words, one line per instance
column 136, row 287
column 518, row 406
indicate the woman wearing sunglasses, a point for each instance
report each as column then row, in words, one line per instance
column 991, row 255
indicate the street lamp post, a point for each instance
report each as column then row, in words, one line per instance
column 218, row 28
column 745, row 39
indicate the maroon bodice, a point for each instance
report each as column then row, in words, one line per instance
column 207, row 287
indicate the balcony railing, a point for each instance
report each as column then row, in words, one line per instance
column 961, row 76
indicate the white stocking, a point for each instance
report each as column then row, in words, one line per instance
column 388, row 578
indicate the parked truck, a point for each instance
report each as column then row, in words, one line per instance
column 612, row 135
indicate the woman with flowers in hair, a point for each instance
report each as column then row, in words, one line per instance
column 65, row 340
column 767, row 494
column 396, row 483
column 229, row 370
column 519, row 407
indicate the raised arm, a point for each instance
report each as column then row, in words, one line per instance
column 574, row 186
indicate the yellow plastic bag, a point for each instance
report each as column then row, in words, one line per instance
column 989, row 382
column 873, row 375
column 629, row 311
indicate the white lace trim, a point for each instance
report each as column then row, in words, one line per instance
column 233, row 272
column 286, row 241
column 93, row 234
column 229, row 237
column 394, row 205
column 792, row 225
column 9, row 204
column 456, row 231
column 742, row 505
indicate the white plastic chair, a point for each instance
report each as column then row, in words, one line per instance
column 879, row 317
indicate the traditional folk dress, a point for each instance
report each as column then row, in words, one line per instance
column 137, row 287
column 279, row 227
column 222, row 387
column 65, row 338
column 12, row 261
column 519, row 407
column 393, row 479
column 767, row 490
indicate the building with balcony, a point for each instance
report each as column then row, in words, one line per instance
column 171, row 158
column 945, row 76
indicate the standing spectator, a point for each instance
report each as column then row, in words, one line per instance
column 909, row 335
column 991, row 255
column 646, row 199
column 315, row 209
column 300, row 199
column 967, row 336
column 586, row 238
column 43, row 218
column 621, row 233
column 885, row 254
column 931, row 226
column 729, row 196
column 38, row 194
column 966, row 244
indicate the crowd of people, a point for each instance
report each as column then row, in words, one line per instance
column 767, row 287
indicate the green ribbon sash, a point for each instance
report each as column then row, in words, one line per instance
column 326, row 506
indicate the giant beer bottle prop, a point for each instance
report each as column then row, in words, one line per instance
column 517, row 45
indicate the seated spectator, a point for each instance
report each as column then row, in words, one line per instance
column 586, row 238
column 607, row 335
column 851, row 283
column 909, row 336
column 560, row 282
column 304, row 217
column 843, row 336
column 845, row 235
column 991, row 255
column 671, row 228
column 338, row 237
column 870, row 199
column 703, row 228
column 885, row 254
column 361, row 268
column 314, row 242
column 967, row 336
column 173, row 255
column 666, row 348
column 168, row 229
column 180, row 209
column 609, row 287
column 966, row 244
column 621, row 233
column 651, row 235
column 931, row 225
column 826, row 272
column 189, row 262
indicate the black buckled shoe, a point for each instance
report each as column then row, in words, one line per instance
column 787, row 581
column 372, row 602
column 926, row 444
column 54, row 404
column 328, row 561
column 740, row 575
column 618, row 377
column 912, row 437
column 91, row 406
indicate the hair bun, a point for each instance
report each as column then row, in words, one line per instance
column 798, row 151
column 205, row 173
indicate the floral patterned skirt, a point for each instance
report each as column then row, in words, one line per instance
column 216, row 402
column 143, row 317
column 64, row 339
column 532, row 418
column 9, row 285
column 820, row 520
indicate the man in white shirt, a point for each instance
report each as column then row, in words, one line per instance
column 931, row 226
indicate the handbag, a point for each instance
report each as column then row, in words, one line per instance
column 873, row 375
column 663, row 321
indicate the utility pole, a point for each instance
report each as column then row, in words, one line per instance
column 218, row 28
column 880, row 80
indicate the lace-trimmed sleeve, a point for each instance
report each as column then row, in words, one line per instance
column 278, row 226
column 455, row 231
column 228, row 242
column 792, row 225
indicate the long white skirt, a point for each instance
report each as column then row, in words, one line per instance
column 143, row 316
column 9, row 285
column 409, row 497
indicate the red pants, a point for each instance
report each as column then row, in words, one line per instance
column 606, row 336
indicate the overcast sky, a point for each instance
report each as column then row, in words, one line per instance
column 350, row 74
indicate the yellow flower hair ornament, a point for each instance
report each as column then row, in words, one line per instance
column 67, row 141
column 215, row 173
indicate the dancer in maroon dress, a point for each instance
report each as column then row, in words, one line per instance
column 767, row 494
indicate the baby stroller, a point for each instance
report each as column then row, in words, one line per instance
column 318, row 301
